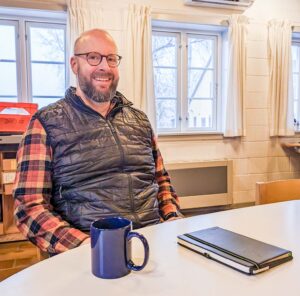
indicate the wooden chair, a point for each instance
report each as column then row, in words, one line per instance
column 276, row 191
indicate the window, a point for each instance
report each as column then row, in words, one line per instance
column 32, row 58
column 187, row 80
column 296, row 81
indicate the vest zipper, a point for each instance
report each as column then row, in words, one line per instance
column 132, row 207
column 60, row 191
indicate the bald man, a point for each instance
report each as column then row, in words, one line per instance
column 89, row 155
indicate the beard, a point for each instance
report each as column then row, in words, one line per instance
column 91, row 92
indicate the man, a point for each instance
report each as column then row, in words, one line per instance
column 89, row 155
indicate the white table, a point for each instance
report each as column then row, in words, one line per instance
column 172, row 269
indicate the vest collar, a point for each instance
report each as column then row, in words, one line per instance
column 119, row 100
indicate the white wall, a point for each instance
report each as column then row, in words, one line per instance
column 256, row 156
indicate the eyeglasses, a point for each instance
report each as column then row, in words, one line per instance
column 95, row 58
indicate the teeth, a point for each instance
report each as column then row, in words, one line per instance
column 102, row 76
column 101, row 79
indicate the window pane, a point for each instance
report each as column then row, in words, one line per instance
column 47, row 44
column 200, row 84
column 8, row 99
column 8, row 79
column 165, row 62
column 201, row 114
column 296, row 58
column 200, row 52
column 296, row 110
column 296, row 86
column 42, row 102
column 51, row 82
column 47, row 54
column 164, row 50
column 8, row 42
column 165, row 83
column 296, row 76
column 8, row 71
column 166, row 113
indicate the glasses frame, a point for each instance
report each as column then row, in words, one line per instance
column 86, row 54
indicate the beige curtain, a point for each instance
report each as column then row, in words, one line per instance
column 82, row 15
column 280, row 82
column 234, row 117
column 139, row 69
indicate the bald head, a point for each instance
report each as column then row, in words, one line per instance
column 92, row 36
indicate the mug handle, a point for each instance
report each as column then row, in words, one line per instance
column 130, row 263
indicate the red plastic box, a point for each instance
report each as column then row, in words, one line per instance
column 15, row 122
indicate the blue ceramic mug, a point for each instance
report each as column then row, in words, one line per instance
column 111, row 248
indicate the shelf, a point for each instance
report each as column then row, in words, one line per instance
column 11, row 229
column 8, row 189
column 12, row 237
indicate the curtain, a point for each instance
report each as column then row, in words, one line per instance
column 139, row 68
column 280, row 80
column 83, row 15
column 234, row 107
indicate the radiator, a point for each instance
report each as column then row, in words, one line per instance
column 202, row 184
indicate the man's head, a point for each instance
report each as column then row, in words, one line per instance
column 98, row 83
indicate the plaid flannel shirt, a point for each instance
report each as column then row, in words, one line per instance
column 35, row 215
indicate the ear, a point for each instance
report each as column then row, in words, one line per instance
column 74, row 65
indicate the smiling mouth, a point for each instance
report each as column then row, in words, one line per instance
column 102, row 79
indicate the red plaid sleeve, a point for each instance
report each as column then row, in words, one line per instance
column 32, row 192
column 167, row 198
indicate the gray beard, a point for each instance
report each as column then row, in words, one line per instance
column 97, row 96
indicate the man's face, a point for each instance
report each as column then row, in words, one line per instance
column 98, row 83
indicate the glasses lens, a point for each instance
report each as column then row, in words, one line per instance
column 94, row 58
column 113, row 60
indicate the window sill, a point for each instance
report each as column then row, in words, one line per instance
column 172, row 137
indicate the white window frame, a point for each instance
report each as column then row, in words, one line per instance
column 23, row 17
column 216, row 94
column 182, row 81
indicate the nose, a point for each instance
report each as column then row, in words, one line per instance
column 103, row 64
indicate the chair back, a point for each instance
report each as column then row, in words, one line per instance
column 276, row 191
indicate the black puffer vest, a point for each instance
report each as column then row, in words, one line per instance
column 101, row 166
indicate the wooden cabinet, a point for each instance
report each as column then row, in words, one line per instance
column 8, row 229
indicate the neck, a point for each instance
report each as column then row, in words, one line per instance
column 102, row 108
